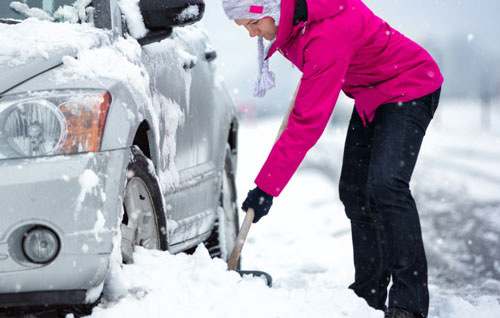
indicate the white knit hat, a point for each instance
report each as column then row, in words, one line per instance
column 256, row 9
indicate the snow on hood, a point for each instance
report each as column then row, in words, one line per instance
column 33, row 38
column 33, row 46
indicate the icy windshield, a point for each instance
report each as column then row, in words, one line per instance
column 52, row 10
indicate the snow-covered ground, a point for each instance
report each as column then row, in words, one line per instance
column 305, row 243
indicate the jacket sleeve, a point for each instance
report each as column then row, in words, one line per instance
column 323, row 74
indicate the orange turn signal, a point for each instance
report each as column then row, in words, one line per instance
column 85, row 119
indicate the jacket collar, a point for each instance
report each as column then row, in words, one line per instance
column 316, row 10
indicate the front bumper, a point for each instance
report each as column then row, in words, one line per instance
column 79, row 198
column 42, row 299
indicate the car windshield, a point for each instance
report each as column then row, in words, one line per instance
column 22, row 9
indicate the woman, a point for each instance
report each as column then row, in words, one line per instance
column 341, row 44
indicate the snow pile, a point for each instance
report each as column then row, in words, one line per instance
column 133, row 16
column 120, row 61
column 78, row 12
column 160, row 284
column 188, row 13
column 66, row 13
column 33, row 38
column 25, row 10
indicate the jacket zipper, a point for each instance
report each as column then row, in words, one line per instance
column 304, row 28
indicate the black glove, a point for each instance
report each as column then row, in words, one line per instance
column 259, row 201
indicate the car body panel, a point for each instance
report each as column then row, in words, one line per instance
column 84, row 217
column 21, row 73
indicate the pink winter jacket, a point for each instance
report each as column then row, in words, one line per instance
column 342, row 45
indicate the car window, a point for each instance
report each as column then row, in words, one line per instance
column 22, row 9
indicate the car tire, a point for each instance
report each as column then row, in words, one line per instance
column 143, row 222
column 226, row 227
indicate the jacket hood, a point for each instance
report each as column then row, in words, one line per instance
column 316, row 10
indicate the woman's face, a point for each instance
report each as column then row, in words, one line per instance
column 259, row 27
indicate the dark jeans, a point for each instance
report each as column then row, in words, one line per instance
column 374, row 186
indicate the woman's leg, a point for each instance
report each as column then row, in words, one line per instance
column 398, row 131
column 372, row 275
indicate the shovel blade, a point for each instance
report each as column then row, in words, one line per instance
column 265, row 276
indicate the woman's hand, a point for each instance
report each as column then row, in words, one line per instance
column 259, row 201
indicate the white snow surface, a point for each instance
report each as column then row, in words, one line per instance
column 171, row 117
column 163, row 285
column 33, row 38
column 79, row 11
column 133, row 16
column 188, row 13
column 98, row 225
column 304, row 243
column 66, row 13
column 119, row 61
column 25, row 10
column 88, row 182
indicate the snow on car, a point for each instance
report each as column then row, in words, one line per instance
column 105, row 140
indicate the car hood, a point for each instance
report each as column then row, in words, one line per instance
column 13, row 75
column 33, row 47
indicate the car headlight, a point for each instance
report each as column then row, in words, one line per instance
column 40, row 245
column 51, row 123
column 35, row 128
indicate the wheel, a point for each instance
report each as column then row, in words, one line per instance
column 226, row 228
column 143, row 221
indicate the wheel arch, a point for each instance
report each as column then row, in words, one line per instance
column 156, row 196
column 141, row 138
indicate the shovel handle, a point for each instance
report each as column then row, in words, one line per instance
column 240, row 240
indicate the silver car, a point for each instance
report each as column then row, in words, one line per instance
column 91, row 168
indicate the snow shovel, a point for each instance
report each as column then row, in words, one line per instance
column 240, row 241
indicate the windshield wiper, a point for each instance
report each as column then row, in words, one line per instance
column 9, row 21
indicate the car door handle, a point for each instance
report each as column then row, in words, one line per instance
column 210, row 55
column 189, row 64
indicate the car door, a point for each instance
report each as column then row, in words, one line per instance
column 178, row 140
column 207, row 117
column 182, row 83
column 178, row 72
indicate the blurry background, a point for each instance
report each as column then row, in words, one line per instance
column 462, row 35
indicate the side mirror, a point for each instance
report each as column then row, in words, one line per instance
column 163, row 14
